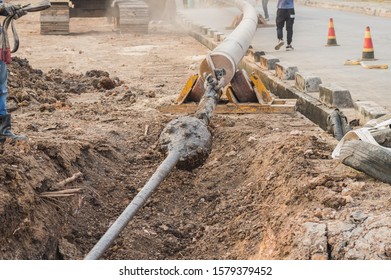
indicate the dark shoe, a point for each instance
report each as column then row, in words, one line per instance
column 5, row 129
column 289, row 48
column 279, row 45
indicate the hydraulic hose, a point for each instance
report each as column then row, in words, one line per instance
column 9, row 20
column 338, row 124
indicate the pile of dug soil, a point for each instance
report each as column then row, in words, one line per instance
column 28, row 86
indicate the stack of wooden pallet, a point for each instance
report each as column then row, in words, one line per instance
column 55, row 20
column 133, row 16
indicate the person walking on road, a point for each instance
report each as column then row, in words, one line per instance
column 285, row 16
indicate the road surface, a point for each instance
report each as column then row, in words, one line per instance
column 311, row 56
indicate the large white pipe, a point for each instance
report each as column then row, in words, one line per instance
column 230, row 52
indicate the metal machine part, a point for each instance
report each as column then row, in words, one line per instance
column 127, row 15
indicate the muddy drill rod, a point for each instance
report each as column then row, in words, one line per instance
column 112, row 233
column 186, row 140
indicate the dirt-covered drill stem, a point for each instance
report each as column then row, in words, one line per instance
column 112, row 233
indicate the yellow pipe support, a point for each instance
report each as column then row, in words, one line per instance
column 187, row 89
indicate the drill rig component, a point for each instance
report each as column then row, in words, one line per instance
column 128, row 15
column 249, row 96
column 191, row 137
column 131, row 15
column 242, row 90
column 138, row 201
column 192, row 91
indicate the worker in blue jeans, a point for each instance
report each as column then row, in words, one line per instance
column 5, row 118
column 285, row 16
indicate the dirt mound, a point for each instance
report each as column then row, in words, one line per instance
column 28, row 86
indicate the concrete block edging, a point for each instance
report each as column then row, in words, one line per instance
column 307, row 83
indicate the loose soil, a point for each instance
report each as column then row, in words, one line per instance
column 269, row 189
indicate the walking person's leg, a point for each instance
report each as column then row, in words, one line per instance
column 265, row 10
column 290, row 20
column 280, row 22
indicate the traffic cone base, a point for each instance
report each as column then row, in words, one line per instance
column 331, row 42
column 368, row 56
column 331, row 38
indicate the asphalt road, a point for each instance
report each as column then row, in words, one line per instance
column 311, row 56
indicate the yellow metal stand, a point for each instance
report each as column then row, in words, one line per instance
column 252, row 89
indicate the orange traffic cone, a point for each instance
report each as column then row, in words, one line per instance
column 331, row 39
column 368, row 53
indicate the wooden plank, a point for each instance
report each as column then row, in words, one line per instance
column 249, row 108
column 134, row 16
column 55, row 33
column 54, row 18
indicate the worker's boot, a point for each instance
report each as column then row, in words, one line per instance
column 5, row 129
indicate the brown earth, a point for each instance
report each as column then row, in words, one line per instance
column 269, row 189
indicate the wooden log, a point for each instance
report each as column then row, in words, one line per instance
column 383, row 137
column 371, row 159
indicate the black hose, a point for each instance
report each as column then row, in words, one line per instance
column 37, row 7
column 9, row 20
column 338, row 124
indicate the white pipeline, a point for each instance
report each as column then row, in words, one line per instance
column 230, row 52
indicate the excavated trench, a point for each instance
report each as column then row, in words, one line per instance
column 255, row 197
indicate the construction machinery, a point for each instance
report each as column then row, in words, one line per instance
column 127, row 15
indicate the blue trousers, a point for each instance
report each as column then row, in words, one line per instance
column 3, row 88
